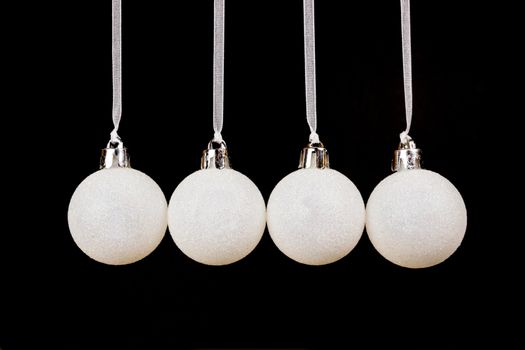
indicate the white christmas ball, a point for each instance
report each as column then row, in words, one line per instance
column 216, row 217
column 416, row 218
column 316, row 216
column 117, row 216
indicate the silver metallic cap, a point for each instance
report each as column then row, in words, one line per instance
column 115, row 155
column 216, row 156
column 407, row 156
column 314, row 156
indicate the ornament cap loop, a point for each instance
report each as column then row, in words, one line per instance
column 115, row 155
column 216, row 156
column 407, row 156
column 314, row 156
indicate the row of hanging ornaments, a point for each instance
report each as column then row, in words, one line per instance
column 415, row 218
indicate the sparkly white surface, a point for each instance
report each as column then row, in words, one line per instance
column 216, row 217
column 118, row 216
column 416, row 218
column 316, row 216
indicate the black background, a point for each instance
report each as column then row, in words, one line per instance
column 53, row 296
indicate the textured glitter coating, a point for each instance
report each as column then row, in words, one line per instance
column 416, row 218
column 316, row 216
column 216, row 217
column 117, row 216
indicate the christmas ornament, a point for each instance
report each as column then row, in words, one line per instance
column 316, row 215
column 217, row 215
column 117, row 215
column 415, row 218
